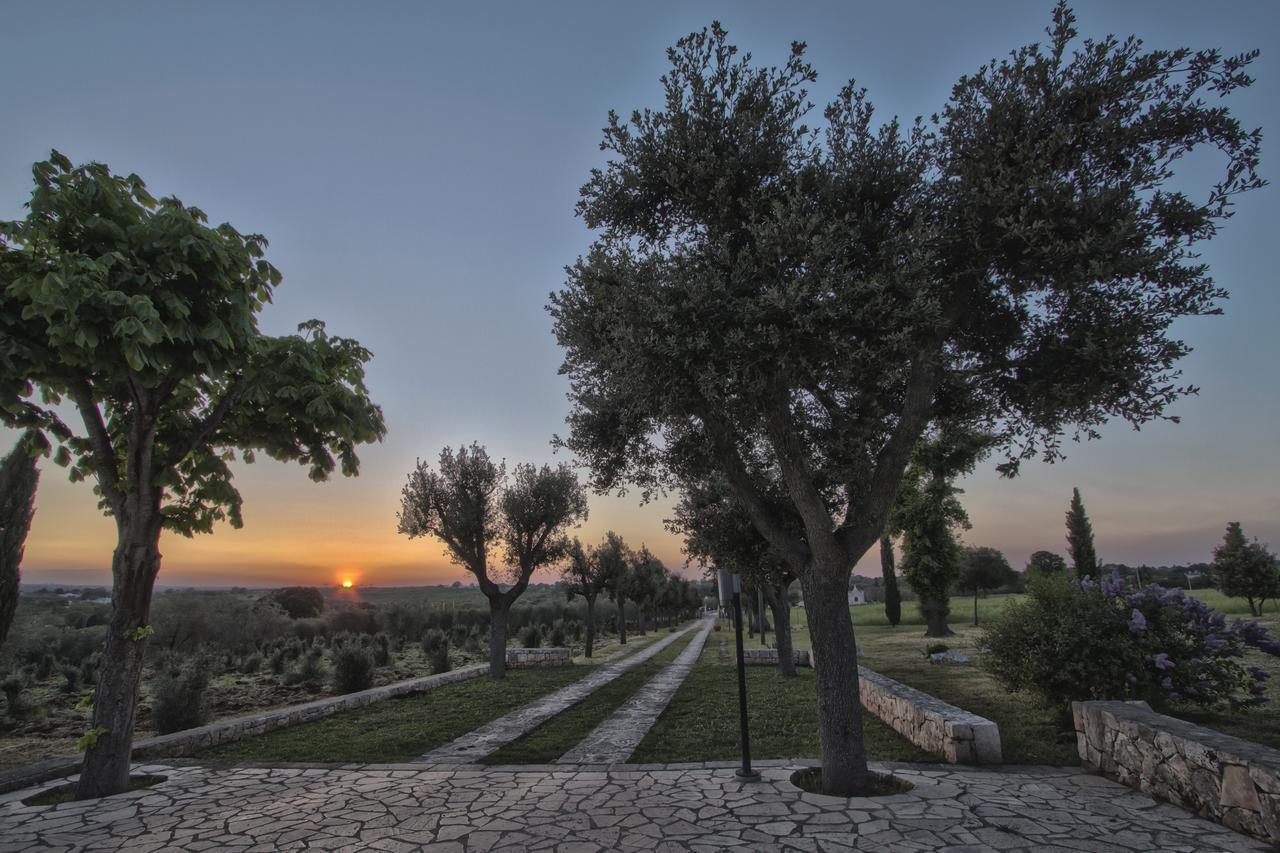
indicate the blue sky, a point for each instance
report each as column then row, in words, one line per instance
column 415, row 167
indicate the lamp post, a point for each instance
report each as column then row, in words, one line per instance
column 731, row 589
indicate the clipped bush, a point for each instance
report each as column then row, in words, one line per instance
column 438, row 659
column 1075, row 640
column 352, row 669
column 530, row 637
column 178, row 698
column 557, row 635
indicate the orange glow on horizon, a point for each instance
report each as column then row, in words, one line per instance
column 347, row 584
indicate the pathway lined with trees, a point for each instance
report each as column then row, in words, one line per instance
column 614, row 740
column 475, row 745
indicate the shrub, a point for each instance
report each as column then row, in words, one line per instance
column 71, row 675
column 530, row 637
column 557, row 636
column 251, row 664
column 1090, row 640
column 432, row 640
column 309, row 670
column 276, row 662
column 936, row 648
column 44, row 668
column 12, row 687
column 178, row 698
column 438, row 659
column 381, row 649
column 352, row 669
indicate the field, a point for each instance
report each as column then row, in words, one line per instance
column 255, row 657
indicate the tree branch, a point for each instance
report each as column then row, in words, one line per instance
column 791, row 548
column 210, row 424
column 104, row 454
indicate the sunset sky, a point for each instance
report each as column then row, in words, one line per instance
column 415, row 167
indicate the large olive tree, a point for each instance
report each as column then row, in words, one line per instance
column 757, row 291
column 143, row 319
column 479, row 513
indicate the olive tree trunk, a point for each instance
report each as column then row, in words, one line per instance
column 591, row 624
column 844, row 757
column 622, row 621
column 134, row 567
column 935, row 612
column 499, row 608
column 782, row 627
column 892, row 596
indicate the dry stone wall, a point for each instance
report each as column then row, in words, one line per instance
column 1224, row 778
column 769, row 657
column 532, row 658
column 931, row 724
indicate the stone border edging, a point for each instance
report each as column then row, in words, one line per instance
column 1224, row 778
column 188, row 741
column 935, row 726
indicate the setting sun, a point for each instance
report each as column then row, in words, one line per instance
column 347, row 584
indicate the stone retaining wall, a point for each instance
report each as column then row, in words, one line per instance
column 190, row 741
column 527, row 658
column 931, row 724
column 769, row 657
column 1224, row 778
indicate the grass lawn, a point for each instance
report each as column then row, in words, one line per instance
column 403, row 728
column 701, row 723
column 562, row 732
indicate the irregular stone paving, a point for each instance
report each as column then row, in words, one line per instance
column 700, row 808
column 492, row 736
column 613, row 741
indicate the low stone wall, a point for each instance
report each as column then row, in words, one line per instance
column 769, row 657
column 931, row 724
column 527, row 658
column 1220, row 777
column 190, row 741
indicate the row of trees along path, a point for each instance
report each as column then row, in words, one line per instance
column 786, row 314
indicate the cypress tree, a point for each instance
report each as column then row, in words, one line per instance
column 1080, row 539
column 18, row 476
column 892, row 597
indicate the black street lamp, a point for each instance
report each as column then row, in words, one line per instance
column 731, row 587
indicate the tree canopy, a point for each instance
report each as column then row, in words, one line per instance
column 1246, row 569
column 773, row 302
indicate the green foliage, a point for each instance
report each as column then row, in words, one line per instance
column 299, row 602
column 1075, row 640
column 984, row 568
column 352, row 670
column 1045, row 563
column 531, row 637
column 1080, row 539
column 178, row 697
column 142, row 314
column 1246, row 569
column 89, row 739
column 18, row 478
column 137, row 635
column 892, row 596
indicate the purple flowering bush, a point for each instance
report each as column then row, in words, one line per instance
column 1073, row 640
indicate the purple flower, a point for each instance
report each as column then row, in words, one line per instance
column 1166, row 683
column 1137, row 622
column 1162, row 661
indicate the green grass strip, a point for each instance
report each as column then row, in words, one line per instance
column 562, row 732
column 403, row 728
column 701, row 723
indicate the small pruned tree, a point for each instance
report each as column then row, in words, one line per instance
column 892, row 595
column 582, row 576
column 18, row 479
column 480, row 514
column 1080, row 539
column 718, row 534
column 1246, row 569
column 1045, row 564
column 982, row 569
column 614, row 559
column 647, row 577
column 143, row 319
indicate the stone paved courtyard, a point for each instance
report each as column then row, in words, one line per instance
column 457, row 809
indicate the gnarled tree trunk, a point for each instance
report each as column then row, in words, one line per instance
column 499, row 607
column 782, row 627
column 622, row 621
column 935, row 612
column 591, row 624
column 134, row 567
column 844, row 757
column 892, row 596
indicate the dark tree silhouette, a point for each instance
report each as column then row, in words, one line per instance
column 18, row 479
column 1080, row 539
